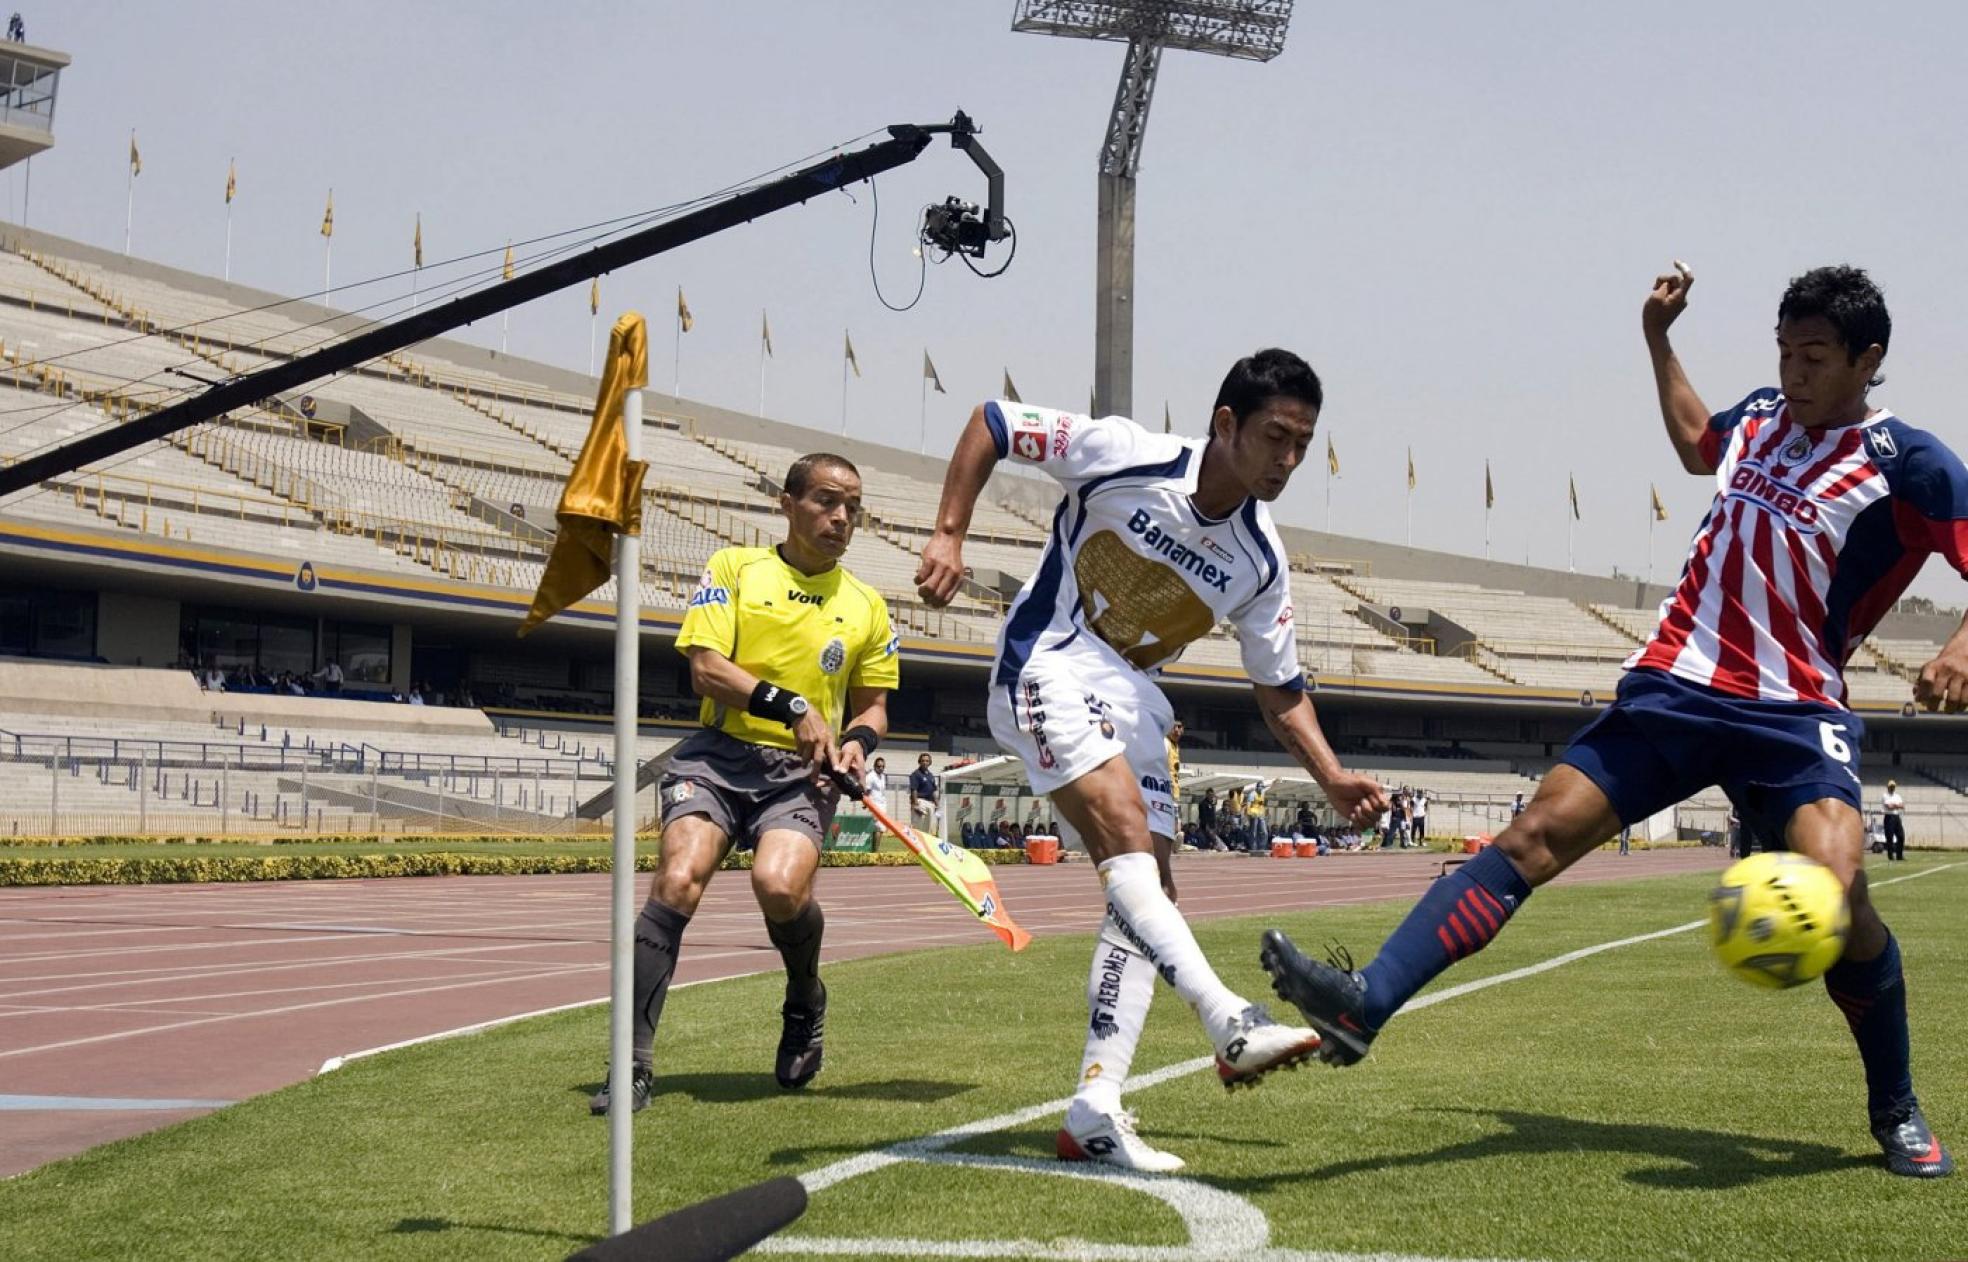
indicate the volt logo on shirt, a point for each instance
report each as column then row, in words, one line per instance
column 805, row 598
column 1179, row 554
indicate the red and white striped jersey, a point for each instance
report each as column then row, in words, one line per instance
column 1812, row 536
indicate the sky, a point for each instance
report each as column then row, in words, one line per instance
column 1453, row 211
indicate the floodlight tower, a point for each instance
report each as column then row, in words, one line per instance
column 1253, row 30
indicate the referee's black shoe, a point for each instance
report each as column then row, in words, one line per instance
column 641, row 1081
column 800, row 1042
column 1911, row 1148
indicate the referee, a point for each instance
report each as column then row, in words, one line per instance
column 787, row 649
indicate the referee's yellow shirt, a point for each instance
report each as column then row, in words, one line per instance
column 817, row 634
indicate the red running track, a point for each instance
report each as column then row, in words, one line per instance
column 123, row 1009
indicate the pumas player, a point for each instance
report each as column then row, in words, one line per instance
column 1157, row 539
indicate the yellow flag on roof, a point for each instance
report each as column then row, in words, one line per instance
column 603, row 497
column 328, row 216
column 136, row 159
column 417, row 241
column 684, row 319
column 506, row 271
column 232, row 180
column 1332, row 458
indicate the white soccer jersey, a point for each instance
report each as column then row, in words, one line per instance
column 1131, row 562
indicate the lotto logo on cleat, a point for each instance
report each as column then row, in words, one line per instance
column 1235, row 1050
column 1100, row 1146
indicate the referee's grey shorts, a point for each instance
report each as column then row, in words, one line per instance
column 746, row 790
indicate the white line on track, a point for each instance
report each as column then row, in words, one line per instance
column 1215, row 1234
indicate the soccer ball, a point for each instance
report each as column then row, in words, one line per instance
column 1778, row 919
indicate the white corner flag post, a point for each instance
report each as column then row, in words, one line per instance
column 621, row 1008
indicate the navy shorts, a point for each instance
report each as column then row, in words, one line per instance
column 1664, row 739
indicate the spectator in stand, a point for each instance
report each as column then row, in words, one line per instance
column 923, row 794
column 416, row 694
column 1420, row 828
column 1893, row 805
column 330, row 676
column 1397, row 822
column 1307, row 823
column 1206, row 813
column 875, row 783
column 1517, row 806
column 1258, row 825
column 213, row 680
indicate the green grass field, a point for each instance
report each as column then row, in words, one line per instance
column 1635, row 1104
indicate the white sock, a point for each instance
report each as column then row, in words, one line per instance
column 1150, row 921
column 1120, row 987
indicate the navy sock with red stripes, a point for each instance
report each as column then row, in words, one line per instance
column 1456, row 917
column 1872, row 995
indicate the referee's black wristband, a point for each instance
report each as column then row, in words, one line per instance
column 770, row 701
column 863, row 735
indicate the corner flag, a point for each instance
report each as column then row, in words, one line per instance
column 603, row 497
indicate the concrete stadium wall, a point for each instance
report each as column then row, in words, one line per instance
column 81, row 690
column 86, row 691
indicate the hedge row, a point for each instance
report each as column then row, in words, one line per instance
column 310, row 839
column 190, row 869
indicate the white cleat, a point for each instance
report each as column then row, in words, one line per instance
column 1251, row 1045
column 1089, row 1135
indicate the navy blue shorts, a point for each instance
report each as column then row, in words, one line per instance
column 1664, row 739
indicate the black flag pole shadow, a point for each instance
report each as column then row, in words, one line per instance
column 709, row 1231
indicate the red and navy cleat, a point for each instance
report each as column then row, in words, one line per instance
column 1332, row 997
column 1911, row 1148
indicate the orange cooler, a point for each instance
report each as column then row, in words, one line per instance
column 1307, row 849
column 1281, row 850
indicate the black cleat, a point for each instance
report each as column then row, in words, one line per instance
column 640, row 1083
column 1911, row 1148
column 800, row 1043
column 1332, row 996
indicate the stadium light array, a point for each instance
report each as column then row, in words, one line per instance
column 1251, row 30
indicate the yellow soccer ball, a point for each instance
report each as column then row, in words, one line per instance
column 1778, row 919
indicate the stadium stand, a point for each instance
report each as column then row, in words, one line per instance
column 421, row 489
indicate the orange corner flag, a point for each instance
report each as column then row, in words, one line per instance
column 604, row 492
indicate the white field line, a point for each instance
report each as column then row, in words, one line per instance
column 1214, row 1232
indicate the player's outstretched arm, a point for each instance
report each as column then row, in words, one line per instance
column 724, row 681
column 1291, row 718
column 941, row 572
column 1681, row 407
